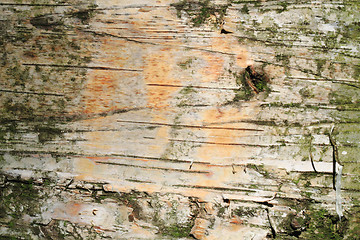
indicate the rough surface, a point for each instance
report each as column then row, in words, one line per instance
column 178, row 119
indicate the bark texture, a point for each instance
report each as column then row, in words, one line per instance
column 176, row 119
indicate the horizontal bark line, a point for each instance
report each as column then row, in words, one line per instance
column 323, row 79
column 151, row 158
column 87, row 116
column 306, row 58
column 343, row 108
column 348, row 82
column 35, row 93
column 215, row 188
column 282, row 44
column 74, row 154
column 114, row 156
column 155, row 168
column 35, row 4
column 318, row 48
column 278, row 144
column 137, row 180
column 82, row 67
column 307, row 71
column 245, row 188
column 291, row 3
column 229, row 189
column 278, row 123
column 189, row 126
column 190, row 86
column 152, row 43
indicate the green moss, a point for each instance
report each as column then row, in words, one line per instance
column 176, row 230
column 312, row 222
column 284, row 6
column 260, row 169
column 284, row 58
column 320, row 65
column 287, row 226
column 245, row 211
column 327, row 41
column 7, row 237
column 16, row 110
column 17, row 199
column 84, row 15
column 356, row 74
column 187, row 90
column 245, row 9
column 186, row 64
column 257, row 77
column 20, row 74
column 346, row 98
column 221, row 211
column 3, row 134
column 242, row 94
column 201, row 11
column 323, row 225
column 285, row 105
column 306, row 93
column 353, row 231
column 47, row 132
column 350, row 31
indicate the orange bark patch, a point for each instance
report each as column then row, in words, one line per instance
column 236, row 220
column 214, row 68
column 229, row 44
column 219, row 141
column 73, row 209
column 108, row 90
column 210, row 153
column 99, row 91
column 103, row 92
column 157, row 70
column 87, row 168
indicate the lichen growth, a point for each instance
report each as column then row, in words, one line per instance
column 323, row 225
column 201, row 11
column 17, row 199
column 36, row 87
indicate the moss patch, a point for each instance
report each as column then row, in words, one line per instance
column 47, row 132
column 312, row 222
column 33, row 89
column 176, row 230
column 201, row 11
column 16, row 200
column 252, row 80
column 323, row 225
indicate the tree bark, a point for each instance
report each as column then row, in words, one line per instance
column 168, row 120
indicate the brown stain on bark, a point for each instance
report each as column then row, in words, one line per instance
column 158, row 69
column 214, row 67
column 224, row 117
column 105, row 90
column 73, row 209
column 99, row 92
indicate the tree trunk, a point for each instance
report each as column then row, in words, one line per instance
column 190, row 119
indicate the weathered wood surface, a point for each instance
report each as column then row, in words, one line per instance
column 128, row 119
